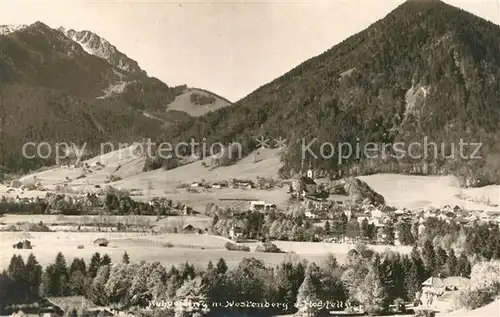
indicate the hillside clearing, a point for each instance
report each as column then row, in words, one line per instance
column 183, row 103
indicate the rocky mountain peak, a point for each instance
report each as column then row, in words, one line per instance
column 100, row 47
column 7, row 29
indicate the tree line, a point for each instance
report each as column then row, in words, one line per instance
column 291, row 283
column 368, row 279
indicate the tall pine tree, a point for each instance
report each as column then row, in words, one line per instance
column 19, row 277
column 463, row 266
column 308, row 293
column 441, row 260
column 412, row 280
column 34, row 276
column 452, row 264
column 95, row 263
column 429, row 257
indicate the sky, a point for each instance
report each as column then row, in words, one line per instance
column 228, row 47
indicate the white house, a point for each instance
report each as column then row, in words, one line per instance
column 376, row 213
column 235, row 232
column 257, row 205
column 400, row 211
column 310, row 215
column 421, row 229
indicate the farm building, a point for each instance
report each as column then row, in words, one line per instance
column 189, row 228
column 22, row 245
column 62, row 306
column 270, row 206
column 101, row 242
column 257, row 205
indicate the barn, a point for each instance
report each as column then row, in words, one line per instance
column 101, row 242
column 63, row 306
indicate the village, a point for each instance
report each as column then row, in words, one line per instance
column 339, row 212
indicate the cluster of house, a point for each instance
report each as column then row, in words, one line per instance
column 89, row 199
column 231, row 183
column 458, row 215
column 162, row 202
column 379, row 216
column 261, row 183
column 236, row 231
column 86, row 167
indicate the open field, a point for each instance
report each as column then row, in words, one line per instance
column 422, row 191
column 490, row 310
column 138, row 246
column 196, row 249
column 183, row 103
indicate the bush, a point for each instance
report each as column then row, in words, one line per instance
column 425, row 313
column 36, row 227
column 152, row 163
column 114, row 178
column 200, row 100
column 236, row 247
column 268, row 247
column 476, row 297
column 30, row 186
column 399, row 304
column 15, row 183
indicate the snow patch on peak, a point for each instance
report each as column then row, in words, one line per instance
column 95, row 45
column 6, row 29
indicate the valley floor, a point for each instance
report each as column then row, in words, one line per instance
column 194, row 248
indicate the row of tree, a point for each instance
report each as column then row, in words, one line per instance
column 367, row 278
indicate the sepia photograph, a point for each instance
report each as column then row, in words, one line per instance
column 249, row 158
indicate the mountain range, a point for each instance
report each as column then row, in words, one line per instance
column 63, row 85
column 426, row 71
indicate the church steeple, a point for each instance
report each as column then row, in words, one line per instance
column 310, row 171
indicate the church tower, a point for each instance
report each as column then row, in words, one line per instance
column 310, row 171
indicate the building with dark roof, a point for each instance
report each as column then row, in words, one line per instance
column 62, row 306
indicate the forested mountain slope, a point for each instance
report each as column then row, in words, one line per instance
column 426, row 70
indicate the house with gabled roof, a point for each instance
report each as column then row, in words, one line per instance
column 437, row 292
column 61, row 306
